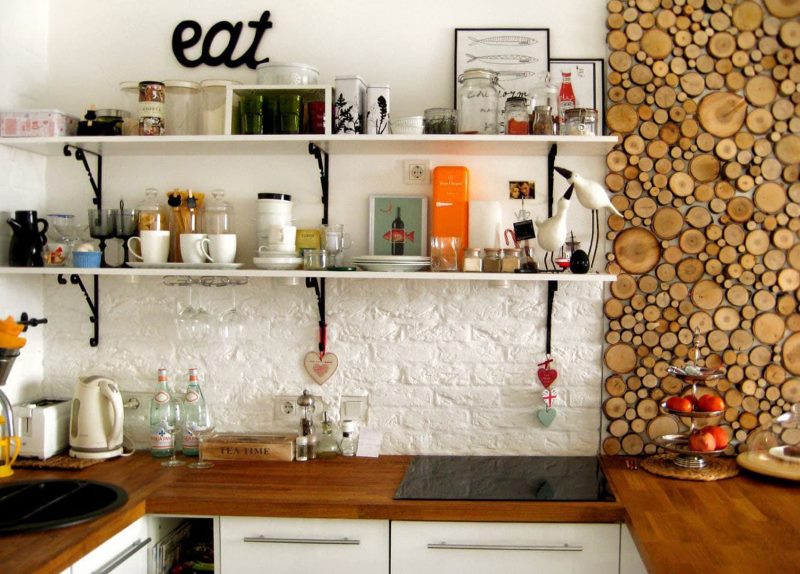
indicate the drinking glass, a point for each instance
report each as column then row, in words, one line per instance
column 444, row 253
column 126, row 225
column 171, row 424
column 202, row 428
column 232, row 328
column 102, row 226
column 334, row 240
column 193, row 322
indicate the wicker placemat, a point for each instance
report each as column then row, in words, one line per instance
column 58, row 462
column 717, row 468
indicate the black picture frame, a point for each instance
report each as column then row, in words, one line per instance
column 598, row 83
column 493, row 38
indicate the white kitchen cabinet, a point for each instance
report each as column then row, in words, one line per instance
column 466, row 548
column 630, row 562
column 290, row 545
column 124, row 553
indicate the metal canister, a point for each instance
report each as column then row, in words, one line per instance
column 151, row 108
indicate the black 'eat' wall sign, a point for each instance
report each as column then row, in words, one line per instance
column 180, row 44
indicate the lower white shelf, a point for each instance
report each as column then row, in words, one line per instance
column 257, row 273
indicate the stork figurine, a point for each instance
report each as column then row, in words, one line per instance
column 552, row 232
column 593, row 196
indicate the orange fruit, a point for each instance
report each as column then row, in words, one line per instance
column 679, row 404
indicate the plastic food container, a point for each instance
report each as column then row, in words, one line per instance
column 412, row 125
column 37, row 123
column 87, row 258
column 182, row 105
column 280, row 73
column 214, row 93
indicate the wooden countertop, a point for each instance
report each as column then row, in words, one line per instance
column 744, row 524
column 741, row 524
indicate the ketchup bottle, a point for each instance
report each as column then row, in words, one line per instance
column 566, row 97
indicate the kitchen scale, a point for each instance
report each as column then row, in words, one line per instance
column 552, row 478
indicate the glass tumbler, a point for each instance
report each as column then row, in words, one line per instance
column 444, row 253
column 251, row 114
column 102, row 226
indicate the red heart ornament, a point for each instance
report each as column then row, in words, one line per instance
column 320, row 368
column 547, row 376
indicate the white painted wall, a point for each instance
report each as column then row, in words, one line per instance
column 23, row 67
column 449, row 368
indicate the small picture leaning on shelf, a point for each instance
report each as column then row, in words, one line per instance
column 398, row 225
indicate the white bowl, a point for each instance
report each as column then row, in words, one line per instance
column 412, row 125
column 282, row 74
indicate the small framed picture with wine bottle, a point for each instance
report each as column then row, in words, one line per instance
column 398, row 225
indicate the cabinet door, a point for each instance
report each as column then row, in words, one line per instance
column 124, row 553
column 466, row 548
column 290, row 545
column 630, row 562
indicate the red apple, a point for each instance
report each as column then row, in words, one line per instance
column 679, row 404
column 708, row 403
column 700, row 441
column 720, row 436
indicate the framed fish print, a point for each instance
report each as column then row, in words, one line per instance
column 588, row 77
column 519, row 56
column 398, row 225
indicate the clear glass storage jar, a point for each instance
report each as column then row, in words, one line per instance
column 440, row 121
column 478, row 102
column 130, row 99
column 213, row 96
column 580, row 122
column 492, row 260
column 517, row 118
column 218, row 214
column 182, row 107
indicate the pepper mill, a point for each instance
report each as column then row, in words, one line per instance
column 306, row 402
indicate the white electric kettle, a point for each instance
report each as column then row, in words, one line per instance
column 95, row 426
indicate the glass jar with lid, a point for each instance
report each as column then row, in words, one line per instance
column 516, row 116
column 543, row 123
column 545, row 94
column 130, row 98
column 218, row 214
column 213, row 96
column 492, row 260
column 580, row 122
column 182, row 107
column 153, row 214
column 478, row 102
column 511, row 260
column 473, row 262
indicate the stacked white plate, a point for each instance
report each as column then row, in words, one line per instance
column 278, row 261
column 392, row 262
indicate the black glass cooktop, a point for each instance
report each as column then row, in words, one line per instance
column 564, row 478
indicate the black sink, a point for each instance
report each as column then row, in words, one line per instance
column 43, row 504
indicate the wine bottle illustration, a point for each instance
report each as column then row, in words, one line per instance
column 398, row 235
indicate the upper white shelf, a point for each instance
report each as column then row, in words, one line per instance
column 262, row 273
column 334, row 144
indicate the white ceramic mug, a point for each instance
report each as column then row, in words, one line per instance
column 280, row 238
column 153, row 246
column 219, row 247
column 191, row 247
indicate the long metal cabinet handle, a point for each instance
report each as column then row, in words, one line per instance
column 123, row 556
column 332, row 541
column 561, row 548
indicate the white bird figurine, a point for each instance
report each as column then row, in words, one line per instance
column 591, row 194
column 551, row 233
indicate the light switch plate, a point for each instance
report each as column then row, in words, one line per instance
column 354, row 408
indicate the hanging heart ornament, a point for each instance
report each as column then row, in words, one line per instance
column 546, row 416
column 547, row 376
column 320, row 368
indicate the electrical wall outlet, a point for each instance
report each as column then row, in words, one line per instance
column 354, row 408
column 416, row 171
column 287, row 413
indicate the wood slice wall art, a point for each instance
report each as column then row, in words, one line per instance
column 704, row 96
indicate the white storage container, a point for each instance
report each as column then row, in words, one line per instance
column 273, row 209
column 213, row 120
column 280, row 74
column 37, row 123
column 182, row 105
column 350, row 95
column 378, row 109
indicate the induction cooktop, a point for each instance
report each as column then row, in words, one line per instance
column 558, row 478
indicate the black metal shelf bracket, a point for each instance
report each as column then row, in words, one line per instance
column 97, row 185
column 94, row 305
column 319, row 288
column 322, row 161
column 552, row 286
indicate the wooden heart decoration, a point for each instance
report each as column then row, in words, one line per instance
column 546, row 416
column 320, row 368
column 547, row 376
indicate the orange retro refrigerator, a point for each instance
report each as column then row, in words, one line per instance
column 450, row 216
